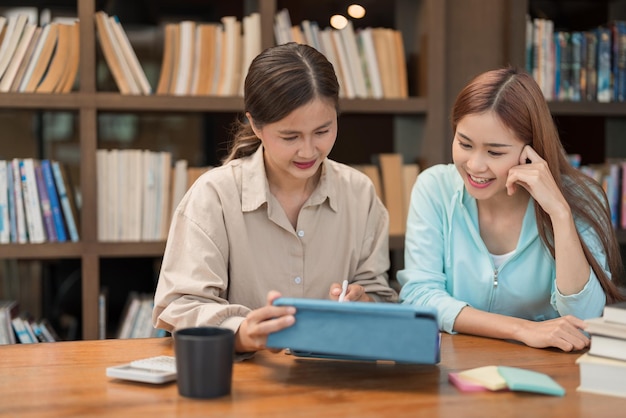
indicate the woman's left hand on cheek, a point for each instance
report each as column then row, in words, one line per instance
column 534, row 175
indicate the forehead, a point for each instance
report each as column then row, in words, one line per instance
column 311, row 115
column 486, row 128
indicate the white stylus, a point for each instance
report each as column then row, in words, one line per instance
column 344, row 289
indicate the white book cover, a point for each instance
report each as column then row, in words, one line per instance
column 342, row 57
column 134, row 203
column 186, row 49
column 19, row 56
column 282, row 27
column 164, row 195
column 102, row 192
column 5, row 226
column 251, row 45
column 328, row 50
column 367, row 52
column 231, row 72
column 20, row 214
column 11, row 39
column 354, row 60
column 32, row 206
column 148, row 232
column 179, row 184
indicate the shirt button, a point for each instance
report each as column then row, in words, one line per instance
column 300, row 233
column 298, row 280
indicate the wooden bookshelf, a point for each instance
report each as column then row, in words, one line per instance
column 418, row 20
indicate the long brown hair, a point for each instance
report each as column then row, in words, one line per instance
column 517, row 100
column 281, row 79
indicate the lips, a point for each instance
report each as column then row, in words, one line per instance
column 479, row 182
column 304, row 165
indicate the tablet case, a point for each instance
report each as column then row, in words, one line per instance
column 359, row 331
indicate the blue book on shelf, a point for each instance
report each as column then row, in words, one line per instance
column 55, row 206
column 11, row 200
column 44, row 203
column 65, row 201
column 604, row 65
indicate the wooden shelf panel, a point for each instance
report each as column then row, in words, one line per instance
column 41, row 251
column 69, row 101
column 163, row 103
column 588, row 108
column 412, row 106
column 130, row 249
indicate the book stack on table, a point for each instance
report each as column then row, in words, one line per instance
column 603, row 367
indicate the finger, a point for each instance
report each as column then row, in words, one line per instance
column 272, row 295
column 529, row 154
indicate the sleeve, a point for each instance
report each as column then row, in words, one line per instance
column 371, row 273
column 423, row 279
column 193, row 283
column 590, row 301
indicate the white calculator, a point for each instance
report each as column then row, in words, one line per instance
column 159, row 369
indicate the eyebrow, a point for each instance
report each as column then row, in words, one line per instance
column 489, row 144
column 289, row 131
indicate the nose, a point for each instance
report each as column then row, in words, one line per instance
column 308, row 147
column 476, row 163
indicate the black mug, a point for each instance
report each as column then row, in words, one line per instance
column 204, row 361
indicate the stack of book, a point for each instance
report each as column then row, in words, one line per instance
column 16, row 327
column 603, row 367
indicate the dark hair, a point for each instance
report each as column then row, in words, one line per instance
column 519, row 103
column 281, row 79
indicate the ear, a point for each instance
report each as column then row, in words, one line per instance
column 252, row 125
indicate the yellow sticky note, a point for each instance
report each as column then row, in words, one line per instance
column 487, row 376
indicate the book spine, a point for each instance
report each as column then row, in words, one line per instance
column 46, row 209
column 11, row 203
column 604, row 65
column 22, row 231
column 65, row 202
column 55, row 206
column 5, row 229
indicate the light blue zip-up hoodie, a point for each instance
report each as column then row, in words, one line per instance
column 447, row 265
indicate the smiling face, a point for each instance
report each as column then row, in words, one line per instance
column 296, row 145
column 483, row 151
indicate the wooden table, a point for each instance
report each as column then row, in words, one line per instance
column 66, row 379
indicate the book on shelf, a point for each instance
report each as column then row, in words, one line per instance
column 112, row 54
column 170, row 46
column 25, row 62
column 137, row 317
column 58, row 61
column 393, row 190
column 5, row 223
column 602, row 376
column 44, row 205
column 53, row 196
column 66, row 197
column 8, row 311
column 19, row 57
column 184, row 61
column 12, row 35
column 70, row 74
column 20, row 214
column 42, row 58
column 137, row 74
column 34, row 219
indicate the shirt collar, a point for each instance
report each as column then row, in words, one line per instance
column 255, row 189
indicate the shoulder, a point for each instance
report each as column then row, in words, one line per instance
column 441, row 178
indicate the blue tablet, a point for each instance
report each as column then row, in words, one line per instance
column 359, row 331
